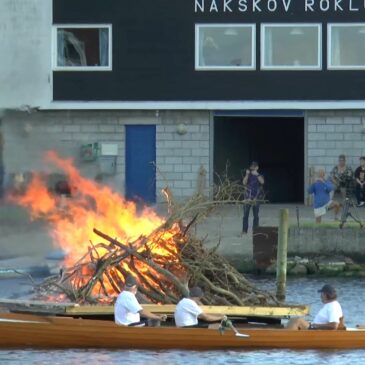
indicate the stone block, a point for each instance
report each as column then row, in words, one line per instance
column 346, row 128
column 107, row 128
column 201, row 152
column 173, row 160
column 312, row 128
column 352, row 137
column 334, row 136
column 325, row 128
column 200, row 136
column 192, row 176
column 190, row 144
column 344, row 145
column 182, row 168
column 90, row 128
column 316, row 136
column 316, row 152
column 172, row 144
column 181, row 152
column 352, row 120
column 334, row 120
column 72, row 128
column 316, row 120
column 54, row 129
column 182, row 184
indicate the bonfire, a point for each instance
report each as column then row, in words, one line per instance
column 107, row 238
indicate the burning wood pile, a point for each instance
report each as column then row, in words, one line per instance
column 108, row 239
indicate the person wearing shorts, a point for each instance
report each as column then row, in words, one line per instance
column 321, row 190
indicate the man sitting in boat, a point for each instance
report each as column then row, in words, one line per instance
column 127, row 310
column 188, row 312
column 328, row 318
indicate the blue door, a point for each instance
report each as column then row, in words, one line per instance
column 140, row 163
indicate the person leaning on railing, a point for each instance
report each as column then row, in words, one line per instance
column 329, row 317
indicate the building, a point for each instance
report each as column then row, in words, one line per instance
column 166, row 92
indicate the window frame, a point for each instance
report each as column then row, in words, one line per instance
column 329, row 43
column 251, row 26
column 55, row 67
column 318, row 67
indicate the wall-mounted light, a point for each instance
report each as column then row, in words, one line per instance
column 157, row 113
column 181, row 129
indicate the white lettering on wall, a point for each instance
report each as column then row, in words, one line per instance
column 286, row 4
column 199, row 5
column 226, row 6
column 242, row 6
column 338, row 6
column 272, row 5
column 324, row 5
column 309, row 5
column 213, row 7
column 255, row 6
column 352, row 8
column 277, row 6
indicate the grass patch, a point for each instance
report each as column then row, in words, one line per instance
column 326, row 225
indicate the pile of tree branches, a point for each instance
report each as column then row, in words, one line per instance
column 166, row 263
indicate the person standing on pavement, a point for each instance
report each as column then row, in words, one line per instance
column 253, row 182
column 360, row 182
column 321, row 190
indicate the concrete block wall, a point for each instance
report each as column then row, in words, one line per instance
column 28, row 135
column 179, row 156
column 331, row 133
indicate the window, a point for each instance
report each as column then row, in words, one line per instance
column 346, row 46
column 291, row 47
column 82, row 47
column 225, row 47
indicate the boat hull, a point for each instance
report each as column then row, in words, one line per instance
column 30, row 331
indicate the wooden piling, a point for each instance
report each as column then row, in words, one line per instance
column 282, row 254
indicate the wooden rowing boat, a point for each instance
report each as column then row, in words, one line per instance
column 38, row 331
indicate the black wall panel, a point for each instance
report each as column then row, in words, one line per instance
column 153, row 53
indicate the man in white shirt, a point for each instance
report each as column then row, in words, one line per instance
column 127, row 310
column 329, row 317
column 188, row 312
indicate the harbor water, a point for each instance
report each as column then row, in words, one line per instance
column 300, row 290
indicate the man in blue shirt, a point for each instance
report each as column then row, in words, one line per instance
column 253, row 183
column 321, row 189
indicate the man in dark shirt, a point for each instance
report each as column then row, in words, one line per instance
column 360, row 182
column 253, row 183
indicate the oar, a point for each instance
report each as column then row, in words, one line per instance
column 237, row 333
column 226, row 322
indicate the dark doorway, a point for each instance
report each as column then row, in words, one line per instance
column 277, row 143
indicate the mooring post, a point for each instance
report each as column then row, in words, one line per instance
column 282, row 254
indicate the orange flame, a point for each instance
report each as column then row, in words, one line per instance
column 91, row 206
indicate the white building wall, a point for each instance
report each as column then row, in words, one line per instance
column 25, row 61
column 331, row 133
